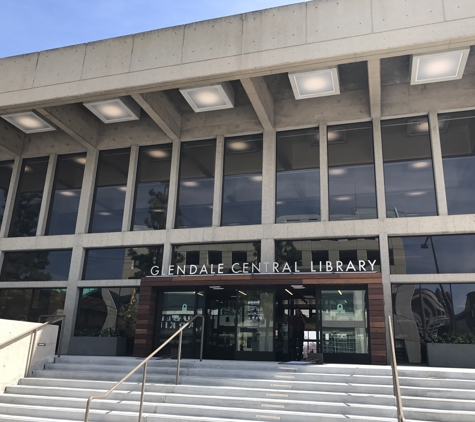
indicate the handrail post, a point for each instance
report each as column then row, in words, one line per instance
column 178, row 358
column 144, row 377
column 202, row 336
column 30, row 354
column 396, row 388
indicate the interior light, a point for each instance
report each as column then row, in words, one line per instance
column 158, row 153
column 200, row 294
column 28, row 122
column 420, row 164
column 318, row 83
column 245, row 294
column 420, row 126
column 191, row 184
column 416, row 193
column 337, row 172
column 297, row 286
column 239, row 146
column 438, row 67
column 104, row 213
column 28, row 169
column 209, row 98
column 80, row 160
column 113, row 111
column 256, row 178
column 67, row 193
column 343, row 198
column 339, row 291
column 289, row 292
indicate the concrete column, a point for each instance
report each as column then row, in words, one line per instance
column 87, row 191
column 268, row 253
column 47, row 192
column 385, row 274
column 268, row 177
column 324, row 202
column 72, row 297
column 173, row 188
column 379, row 168
column 437, row 164
column 218, row 182
column 10, row 202
column 167, row 257
column 130, row 192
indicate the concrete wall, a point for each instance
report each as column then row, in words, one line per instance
column 13, row 358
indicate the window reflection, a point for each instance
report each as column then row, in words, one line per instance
column 457, row 137
column 298, row 176
column 28, row 198
column 408, row 175
column 151, row 193
column 121, row 263
column 6, row 168
column 66, row 193
column 351, row 180
column 242, row 184
column 111, row 184
column 36, row 266
column 196, row 184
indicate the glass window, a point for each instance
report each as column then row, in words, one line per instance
column 341, row 254
column 351, row 180
column 66, row 193
column 30, row 304
column 196, row 184
column 121, row 263
column 28, row 198
column 111, row 184
column 36, row 266
column 449, row 254
column 298, row 176
column 457, row 137
column 6, row 168
column 151, row 192
column 408, row 175
column 242, row 184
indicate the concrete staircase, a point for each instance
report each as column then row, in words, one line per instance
column 225, row 391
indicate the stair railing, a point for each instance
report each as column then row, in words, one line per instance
column 144, row 364
column 396, row 388
column 34, row 332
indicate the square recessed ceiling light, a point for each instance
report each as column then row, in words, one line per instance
column 317, row 83
column 113, row 111
column 438, row 67
column 209, row 98
column 28, row 122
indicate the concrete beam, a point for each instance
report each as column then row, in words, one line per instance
column 261, row 99
column 162, row 111
column 75, row 121
column 374, row 79
column 12, row 140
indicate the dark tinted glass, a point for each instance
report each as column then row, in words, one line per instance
column 151, row 193
column 121, row 263
column 28, row 197
column 66, row 193
column 242, row 185
column 351, row 182
column 298, row 176
column 457, row 137
column 408, row 175
column 196, row 185
column 208, row 254
column 432, row 254
column 111, row 184
column 307, row 255
column 30, row 304
column 6, row 168
column 36, row 266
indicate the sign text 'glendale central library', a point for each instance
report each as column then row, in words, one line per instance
column 265, row 267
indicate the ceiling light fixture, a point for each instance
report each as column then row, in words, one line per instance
column 209, row 98
column 28, row 122
column 120, row 109
column 438, row 67
column 317, row 83
column 289, row 292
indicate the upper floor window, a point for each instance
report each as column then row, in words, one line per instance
column 6, row 168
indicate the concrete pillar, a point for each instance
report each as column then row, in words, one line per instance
column 267, row 253
column 379, row 168
column 130, row 192
column 268, row 177
column 218, row 182
column 437, row 164
column 385, row 275
column 10, row 202
column 87, row 191
column 173, row 187
column 47, row 192
column 167, row 257
column 324, row 202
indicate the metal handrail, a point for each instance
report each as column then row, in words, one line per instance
column 396, row 388
column 33, row 331
column 144, row 364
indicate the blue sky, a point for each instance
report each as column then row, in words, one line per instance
column 34, row 25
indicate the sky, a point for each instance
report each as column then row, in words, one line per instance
column 34, row 25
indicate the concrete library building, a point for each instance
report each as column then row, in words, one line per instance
column 316, row 158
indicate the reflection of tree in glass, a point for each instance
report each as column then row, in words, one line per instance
column 286, row 252
column 157, row 206
column 26, row 215
column 26, row 266
column 143, row 262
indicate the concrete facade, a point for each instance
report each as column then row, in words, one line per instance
column 256, row 49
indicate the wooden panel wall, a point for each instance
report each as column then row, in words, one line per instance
column 144, row 329
column 377, row 325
